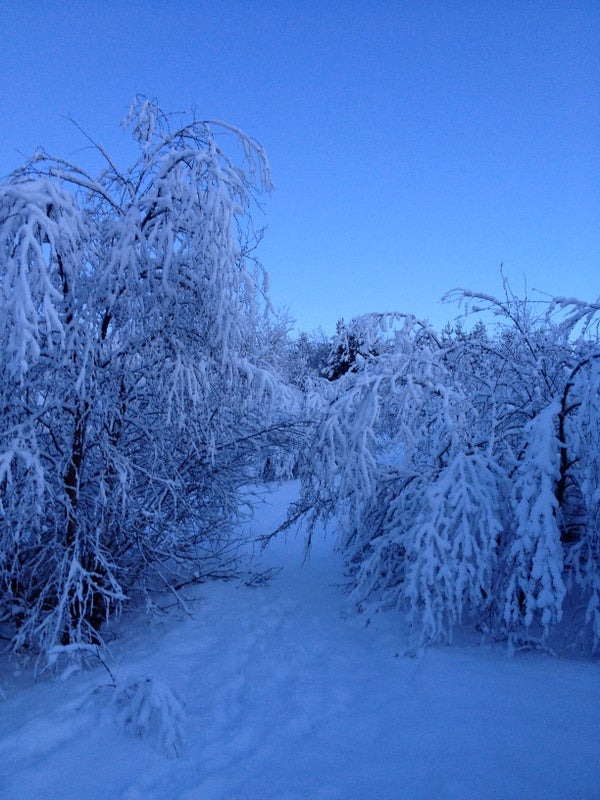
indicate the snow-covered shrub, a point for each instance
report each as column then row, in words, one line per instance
column 149, row 709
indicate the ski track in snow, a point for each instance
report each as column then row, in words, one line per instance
column 287, row 695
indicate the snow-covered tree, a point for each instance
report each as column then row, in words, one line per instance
column 452, row 547
column 362, row 339
column 584, row 482
column 342, row 461
column 534, row 562
column 461, row 470
column 134, row 397
column 578, row 492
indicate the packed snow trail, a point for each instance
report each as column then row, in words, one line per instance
column 281, row 693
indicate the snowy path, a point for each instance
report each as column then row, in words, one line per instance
column 287, row 696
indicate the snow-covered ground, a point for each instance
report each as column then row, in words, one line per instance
column 281, row 692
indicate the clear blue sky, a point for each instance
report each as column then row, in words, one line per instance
column 415, row 145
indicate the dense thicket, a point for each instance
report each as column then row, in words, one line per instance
column 462, row 470
column 143, row 385
column 134, row 384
